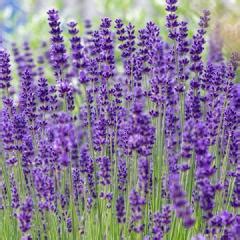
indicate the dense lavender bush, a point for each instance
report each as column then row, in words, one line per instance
column 122, row 135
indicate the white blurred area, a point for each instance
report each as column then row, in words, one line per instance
column 83, row 8
column 91, row 9
column 20, row 17
column 138, row 11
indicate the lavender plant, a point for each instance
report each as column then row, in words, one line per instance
column 128, row 137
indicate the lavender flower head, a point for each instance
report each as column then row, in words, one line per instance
column 5, row 72
column 25, row 215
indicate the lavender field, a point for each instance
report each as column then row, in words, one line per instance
column 117, row 132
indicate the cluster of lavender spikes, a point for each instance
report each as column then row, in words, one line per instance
column 120, row 136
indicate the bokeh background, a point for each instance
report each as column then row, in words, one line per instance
column 27, row 19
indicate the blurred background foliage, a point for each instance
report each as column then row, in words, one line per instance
column 27, row 19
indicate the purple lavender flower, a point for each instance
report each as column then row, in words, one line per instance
column 206, row 196
column 157, row 227
column 69, row 224
column 104, row 170
column 122, row 175
column 44, row 186
column 188, row 139
column 236, row 191
column 64, row 137
column 120, row 210
column 88, row 30
column 27, row 154
column 15, row 195
column 84, row 158
column 161, row 223
column 25, row 215
column 183, row 49
column 26, row 237
column 27, row 96
column 20, row 127
column 78, row 184
column 136, row 202
column 235, row 229
column 19, row 59
column 198, row 42
column 143, row 175
column 197, row 64
column 181, row 206
column 107, row 53
column 76, row 47
column 87, row 167
column 99, row 133
column 96, row 47
column 215, row 46
column 28, row 59
column 137, row 133
column 83, row 78
column 5, row 72
column 43, row 94
column 172, row 22
column 221, row 224
column 121, row 33
column 199, row 237
column 7, row 128
column 128, row 48
column 204, row 169
column 58, row 51
column 130, row 42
